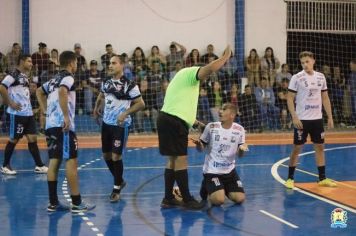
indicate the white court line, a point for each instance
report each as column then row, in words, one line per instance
column 274, row 172
column 279, row 219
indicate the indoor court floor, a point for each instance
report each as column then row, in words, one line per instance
column 269, row 209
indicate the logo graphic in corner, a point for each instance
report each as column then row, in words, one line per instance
column 338, row 218
column 117, row 143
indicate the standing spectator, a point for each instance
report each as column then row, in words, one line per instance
column 269, row 66
column 14, row 90
column 253, row 66
column 175, row 55
column 177, row 115
column 209, row 53
column 307, row 93
column 2, row 64
column 266, row 100
column 216, row 96
column 91, row 86
column 128, row 68
column 105, row 58
column 80, row 74
column 57, row 98
column 55, row 58
column 12, row 57
column 40, row 59
column 122, row 98
column 156, row 56
column 337, row 85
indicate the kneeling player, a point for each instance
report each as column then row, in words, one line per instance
column 223, row 140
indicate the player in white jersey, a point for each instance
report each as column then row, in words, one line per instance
column 57, row 100
column 121, row 98
column 223, row 141
column 308, row 90
column 15, row 92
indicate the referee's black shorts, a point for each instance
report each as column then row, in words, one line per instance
column 314, row 128
column 172, row 135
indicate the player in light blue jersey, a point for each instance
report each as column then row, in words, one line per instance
column 57, row 100
column 15, row 92
column 121, row 98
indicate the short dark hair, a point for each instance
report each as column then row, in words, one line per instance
column 306, row 54
column 285, row 80
column 247, row 86
column 66, row 58
column 42, row 45
column 231, row 107
column 23, row 57
column 108, row 45
column 121, row 58
column 15, row 44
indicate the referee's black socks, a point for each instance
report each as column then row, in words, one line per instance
column 118, row 172
column 110, row 165
column 168, row 183
column 181, row 177
column 52, row 192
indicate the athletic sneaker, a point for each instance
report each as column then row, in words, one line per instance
column 7, row 170
column 327, row 183
column 41, row 170
column 115, row 194
column 289, row 183
column 83, row 207
column 194, row 204
column 57, row 207
column 170, row 203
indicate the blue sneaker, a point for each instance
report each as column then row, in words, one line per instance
column 58, row 207
column 83, row 207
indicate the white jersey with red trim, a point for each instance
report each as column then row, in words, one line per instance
column 308, row 98
column 222, row 145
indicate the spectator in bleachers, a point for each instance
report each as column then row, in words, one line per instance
column 40, row 59
column 253, row 66
column 91, row 86
column 150, row 111
column 193, row 58
column 269, row 113
column 105, row 58
column 204, row 114
column 232, row 97
column 338, row 85
column 139, row 63
column 228, row 74
column 13, row 57
column 156, row 56
column 155, row 76
column 161, row 93
column 352, row 89
column 2, row 64
column 48, row 74
column 175, row 56
column 282, row 103
column 284, row 73
column 269, row 66
column 210, row 53
column 55, row 58
column 249, row 111
column 216, row 97
column 80, row 76
column 178, row 67
column 128, row 68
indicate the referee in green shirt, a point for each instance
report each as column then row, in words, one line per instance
column 177, row 115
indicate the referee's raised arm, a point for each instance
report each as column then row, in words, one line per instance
column 215, row 65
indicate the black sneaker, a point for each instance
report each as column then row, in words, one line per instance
column 194, row 204
column 114, row 197
column 57, row 207
column 170, row 203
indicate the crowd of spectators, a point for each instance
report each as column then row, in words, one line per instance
column 261, row 99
